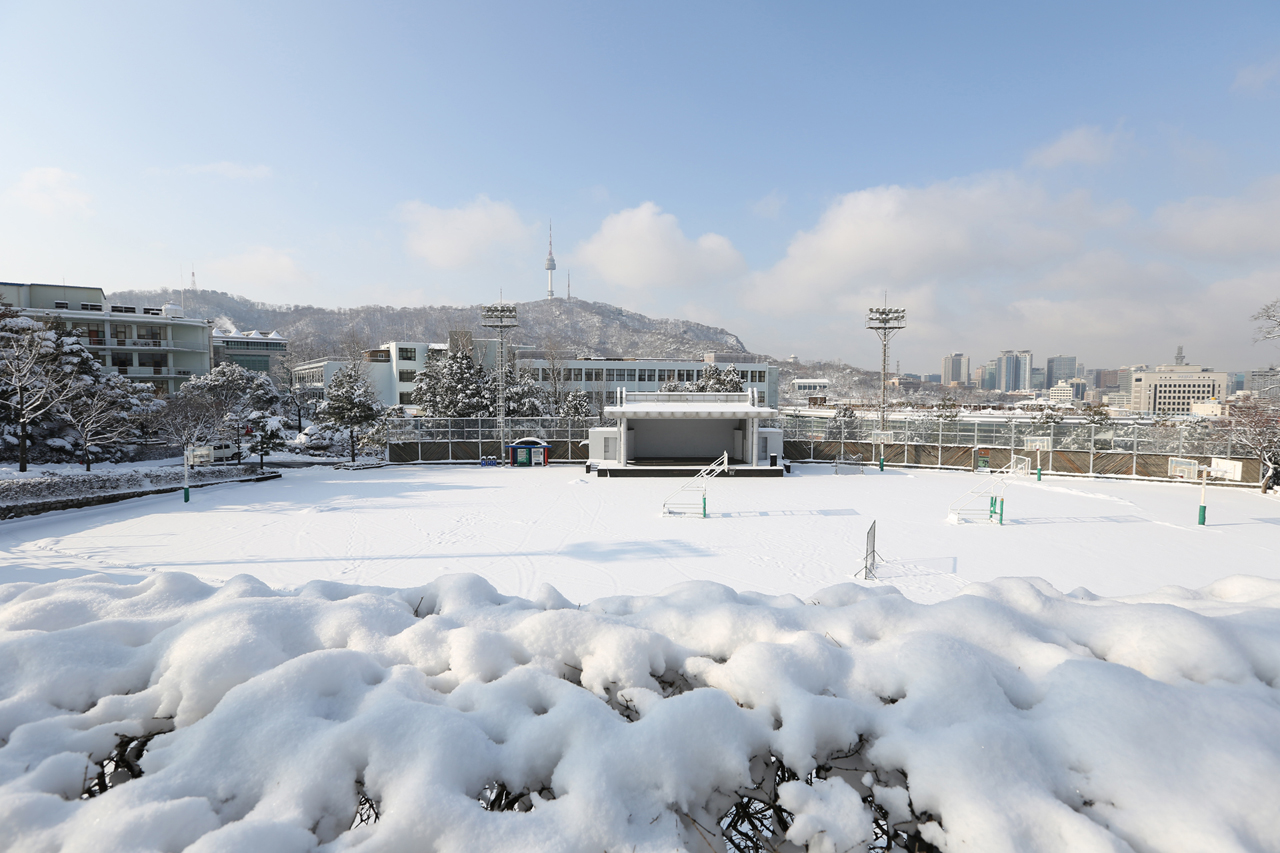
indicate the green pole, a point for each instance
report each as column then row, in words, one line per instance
column 704, row 504
column 1204, row 481
column 1002, row 511
column 1202, row 513
column 1037, row 475
column 881, row 463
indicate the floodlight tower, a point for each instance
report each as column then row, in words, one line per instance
column 501, row 318
column 551, row 266
column 885, row 322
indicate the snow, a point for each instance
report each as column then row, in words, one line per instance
column 519, row 529
column 632, row 679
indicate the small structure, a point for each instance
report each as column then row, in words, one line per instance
column 528, row 453
column 683, row 428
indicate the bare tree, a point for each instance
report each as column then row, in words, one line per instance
column 107, row 412
column 1269, row 317
column 1255, row 425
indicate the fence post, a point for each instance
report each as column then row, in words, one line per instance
column 1093, row 444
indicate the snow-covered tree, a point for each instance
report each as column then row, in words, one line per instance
column 266, row 435
column 576, row 405
column 1255, row 425
column 712, row 379
column 106, row 411
column 40, row 369
column 1269, row 317
column 454, row 388
column 526, row 398
column 1096, row 414
column 350, row 403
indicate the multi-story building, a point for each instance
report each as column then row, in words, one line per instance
column 1059, row 368
column 955, row 369
column 156, row 345
column 251, row 350
column 1013, row 370
column 1038, row 379
column 602, row 377
column 1171, row 389
column 1264, row 383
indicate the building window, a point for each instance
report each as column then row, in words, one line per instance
column 408, row 354
column 90, row 306
column 631, row 376
column 408, row 375
column 595, row 375
column 95, row 333
column 546, row 374
column 63, row 305
column 122, row 359
column 406, row 398
column 157, row 361
column 151, row 333
column 577, row 374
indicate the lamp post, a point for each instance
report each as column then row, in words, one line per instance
column 885, row 322
column 501, row 318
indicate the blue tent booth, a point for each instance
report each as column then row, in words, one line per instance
column 528, row 452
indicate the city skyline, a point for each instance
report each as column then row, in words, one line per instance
column 772, row 171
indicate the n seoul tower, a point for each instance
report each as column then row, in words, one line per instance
column 551, row 266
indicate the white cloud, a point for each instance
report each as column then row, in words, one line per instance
column 1257, row 78
column 50, row 191
column 642, row 247
column 903, row 238
column 452, row 238
column 770, row 207
column 1230, row 228
column 268, row 271
column 1088, row 145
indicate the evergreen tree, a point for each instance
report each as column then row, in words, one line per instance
column 41, row 368
column 350, row 403
column 526, row 398
column 266, row 435
column 455, row 388
column 576, row 406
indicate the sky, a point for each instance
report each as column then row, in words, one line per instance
column 1099, row 179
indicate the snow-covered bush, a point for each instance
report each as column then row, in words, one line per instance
column 54, row 486
column 170, row 714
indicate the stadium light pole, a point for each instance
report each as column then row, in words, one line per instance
column 501, row 318
column 885, row 322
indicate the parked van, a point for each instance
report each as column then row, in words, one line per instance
column 225, row 452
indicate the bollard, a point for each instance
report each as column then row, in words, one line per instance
column 1202, row 513
column 881, row 463
column 704, row 504
column 186, row 495
column 1037, row 475
column 1001, row 511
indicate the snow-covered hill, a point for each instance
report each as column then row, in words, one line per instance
column 592, row 328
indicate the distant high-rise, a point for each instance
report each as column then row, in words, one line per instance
column 1059, row 368
column 1013, row 370
column 551, row 266
column 955, row 368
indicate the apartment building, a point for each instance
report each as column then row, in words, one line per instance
column 158, row 345
column 251, row 350
column 1172, row 389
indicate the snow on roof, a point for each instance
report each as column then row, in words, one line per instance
column 683, row 404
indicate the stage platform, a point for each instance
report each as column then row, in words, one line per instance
column 686, row 471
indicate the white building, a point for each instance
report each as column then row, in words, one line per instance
column 955, row 369
column 157, row 345
column 809, row 387
column 602, row 378
column 676, row 428
column 1171, row 389
column 251, row 350
column 1264, row 383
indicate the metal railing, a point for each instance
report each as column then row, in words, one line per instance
column 1188, row 439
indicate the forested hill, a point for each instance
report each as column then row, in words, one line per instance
column 591, row 328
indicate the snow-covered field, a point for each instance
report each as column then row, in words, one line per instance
column 600, row 686
column 590, row 537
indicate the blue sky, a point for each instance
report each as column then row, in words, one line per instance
column 1098, row 179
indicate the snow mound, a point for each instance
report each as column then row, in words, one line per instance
column 171, row 714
